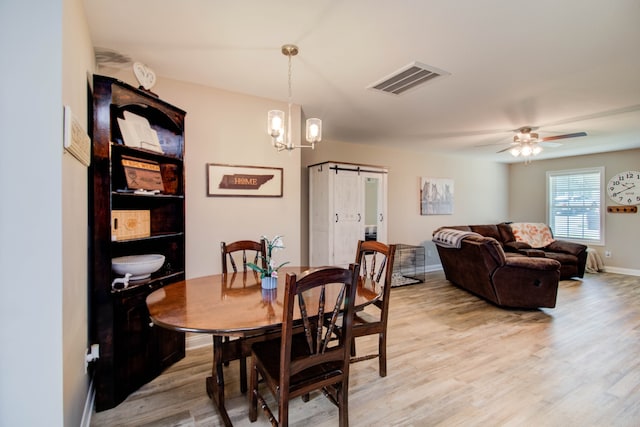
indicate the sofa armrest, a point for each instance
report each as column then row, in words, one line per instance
column 566, row 247
column 533, row 263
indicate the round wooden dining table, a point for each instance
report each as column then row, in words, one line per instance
column 231, row 305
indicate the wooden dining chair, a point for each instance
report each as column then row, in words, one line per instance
column 376, row 268
column 232, row 253
column 236, row 253
column 309, row 360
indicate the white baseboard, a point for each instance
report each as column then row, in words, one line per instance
column 620, row 270
column 432, row 268
column 88, row 406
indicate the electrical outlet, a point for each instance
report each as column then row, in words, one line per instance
column 607, row 254
column 92, row 355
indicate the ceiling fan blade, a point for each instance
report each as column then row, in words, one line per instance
column 549, row 144
column 505, row 149
column 568, row 135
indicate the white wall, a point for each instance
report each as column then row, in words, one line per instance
column 31, row 274
column 480, row 189
column 527, row 202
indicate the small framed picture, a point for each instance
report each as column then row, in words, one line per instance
column 436, row 196
column 243, row 181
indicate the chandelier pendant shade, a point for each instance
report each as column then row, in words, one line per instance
column 279, row 123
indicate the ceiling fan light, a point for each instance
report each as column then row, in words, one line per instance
column 528, row 144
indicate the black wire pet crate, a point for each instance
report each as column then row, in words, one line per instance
column 409, row 265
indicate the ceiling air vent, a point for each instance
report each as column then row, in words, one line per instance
column 409, row 77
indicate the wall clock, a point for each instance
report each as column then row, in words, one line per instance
column 624, row 188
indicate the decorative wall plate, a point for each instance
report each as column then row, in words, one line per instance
column 145, row 75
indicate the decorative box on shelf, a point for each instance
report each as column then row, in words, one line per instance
column 142, row 174
column 130, row 224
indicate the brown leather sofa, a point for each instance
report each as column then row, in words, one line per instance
column 481, row 266
column 572, row 256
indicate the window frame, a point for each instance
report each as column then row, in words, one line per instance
column 601, row 214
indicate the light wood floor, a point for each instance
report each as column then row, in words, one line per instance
column 454, row 360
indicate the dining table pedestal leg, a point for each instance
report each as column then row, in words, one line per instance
column 215, row 383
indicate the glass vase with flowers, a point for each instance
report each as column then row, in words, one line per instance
column 269, row 274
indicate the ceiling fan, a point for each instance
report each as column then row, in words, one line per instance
column 527, row 143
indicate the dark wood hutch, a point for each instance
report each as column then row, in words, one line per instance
column 132, row 350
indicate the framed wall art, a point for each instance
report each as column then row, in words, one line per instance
column 436, row 196
column 243, row 181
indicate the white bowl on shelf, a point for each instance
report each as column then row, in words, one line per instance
column 139, row 266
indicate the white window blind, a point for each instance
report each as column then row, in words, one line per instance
column 575, row 204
